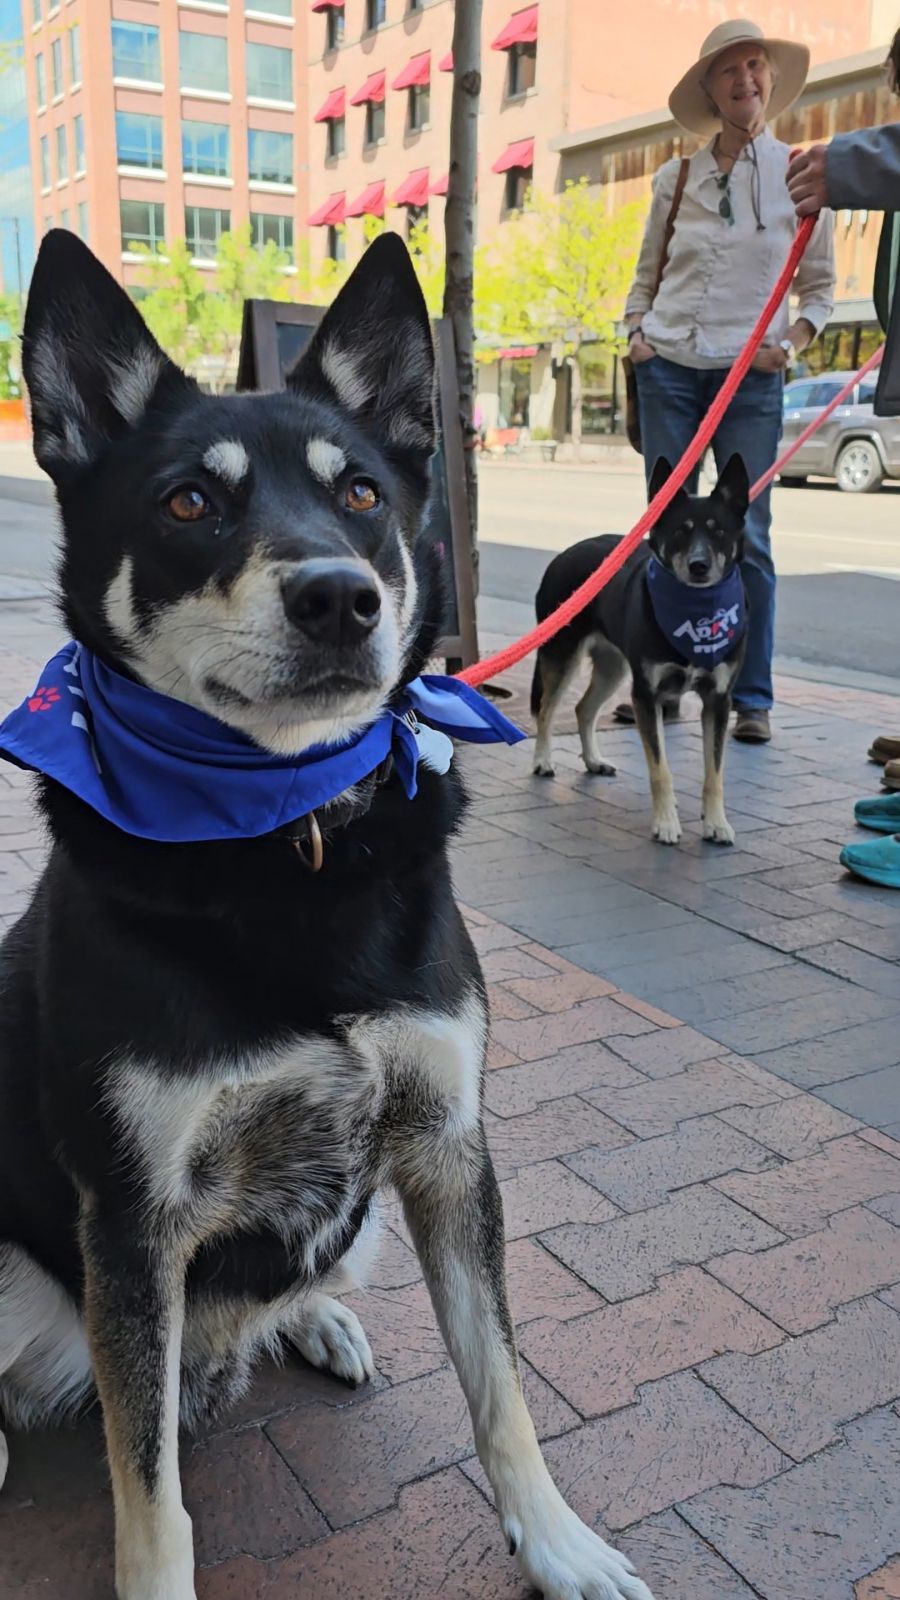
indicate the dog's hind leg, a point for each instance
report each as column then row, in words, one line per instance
column 552, row 676
column 45, row 1368
column 134, row 1313
column 648, row 716
column 608, row 668
column 716, row 711
column 452, row 1202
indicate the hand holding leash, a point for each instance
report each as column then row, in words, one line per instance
column 806, row 179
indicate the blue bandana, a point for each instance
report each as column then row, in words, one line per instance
column 702, row 625
column 161, row 770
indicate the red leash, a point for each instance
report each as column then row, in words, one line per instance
column 493, row 665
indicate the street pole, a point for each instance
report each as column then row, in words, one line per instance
column 459, row 230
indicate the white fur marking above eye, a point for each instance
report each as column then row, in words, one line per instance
column 227, row 460
column 352, row 388
column 326, row 461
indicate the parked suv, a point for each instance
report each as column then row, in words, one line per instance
column 853, row 446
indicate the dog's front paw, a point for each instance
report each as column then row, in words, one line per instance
column 717, row 829
column 331, row 1337
column 666, row 827
column 600, row 769
column 543, row 769
column 564, row 1560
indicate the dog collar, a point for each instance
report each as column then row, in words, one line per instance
column 703, row 626
column 162, row 770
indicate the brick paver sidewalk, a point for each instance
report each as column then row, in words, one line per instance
column 692, row 1097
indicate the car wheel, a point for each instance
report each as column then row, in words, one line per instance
column 858, row 468
column 791, row 483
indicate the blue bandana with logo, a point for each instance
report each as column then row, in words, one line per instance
column 703, row 626
column 161, row 770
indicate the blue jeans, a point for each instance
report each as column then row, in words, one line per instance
column 673, row 401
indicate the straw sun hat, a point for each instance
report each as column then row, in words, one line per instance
column 689, row 102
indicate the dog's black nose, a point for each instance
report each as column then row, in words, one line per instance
column 332, row 601
column 699, row 568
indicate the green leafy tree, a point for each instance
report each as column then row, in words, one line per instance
column 10, row 348
column 559, row 275
column 175, row 307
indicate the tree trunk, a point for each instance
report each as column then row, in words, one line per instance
column 459, row 228
column 577, row 397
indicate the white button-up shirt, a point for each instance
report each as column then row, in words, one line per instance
column 719, row 273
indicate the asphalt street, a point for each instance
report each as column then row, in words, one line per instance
column 838, row 555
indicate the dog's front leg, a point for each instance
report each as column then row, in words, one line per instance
column 716, row 711
column 134, row 1310
column 452, row 1204
column 649, row 719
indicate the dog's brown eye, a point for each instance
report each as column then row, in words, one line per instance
column 188, row 505
column 362, row 495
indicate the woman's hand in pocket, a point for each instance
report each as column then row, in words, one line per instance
column 769, row 358
column 640, row 351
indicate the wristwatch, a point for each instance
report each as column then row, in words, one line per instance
column 790, row 350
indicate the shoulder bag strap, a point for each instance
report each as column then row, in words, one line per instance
column 670, row 221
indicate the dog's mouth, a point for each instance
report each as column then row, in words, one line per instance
column 331, row 688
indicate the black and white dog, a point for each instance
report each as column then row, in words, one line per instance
column 675, row 616
column 211, row 1057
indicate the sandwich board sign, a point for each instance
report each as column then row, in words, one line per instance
column 274, row 335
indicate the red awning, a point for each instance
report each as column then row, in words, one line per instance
column 372, row 89
column 522, row 28
column 446, row 62
column 520, row 154
column 327, row 5
column 333, row 107
column 417, row 71
column 440, row 185
column 331, row 214
column 522, row 352
column 368, row 204
column 414, row 190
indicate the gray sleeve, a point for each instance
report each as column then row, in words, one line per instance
column 862, row 170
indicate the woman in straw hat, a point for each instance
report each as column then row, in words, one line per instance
column 729, row 221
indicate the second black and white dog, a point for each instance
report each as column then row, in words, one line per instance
column 675, row 616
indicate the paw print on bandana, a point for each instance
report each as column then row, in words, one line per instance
column 43, row 699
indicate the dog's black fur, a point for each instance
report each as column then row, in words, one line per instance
column 699, row 538
column 211, row 1059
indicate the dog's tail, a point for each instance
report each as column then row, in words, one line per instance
column 537, row 687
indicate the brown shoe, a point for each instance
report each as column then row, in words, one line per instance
column 891, row 779
column 753, row 727
column 671, row 712
column 885, row 748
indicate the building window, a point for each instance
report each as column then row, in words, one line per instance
column 415, row 5
column 269, row 72
column 40, row 78
column 62, row 155
column 83, row 220
column 203, row 62
column 522, row 68
column 136, row 52
column 374, row 121
column 271, row 156
column 334, row 28
column 36, row 12
column 337, row 136
column 143, row 222
column 56, row 66
column 415, row 215
column 75, row 53
column 45, row 161
column 78, row 136
column 518, row 183
column 275, row 8
column 64, row 218
column 203, row 228
column 419, row 106
column 48, row 224
column 267, row 228
column 336, row 245
column 139, row 140
column 376, row 11
column 206, row 149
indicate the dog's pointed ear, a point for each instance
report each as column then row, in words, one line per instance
column 661, row 473
column 372, row 354
column 733, row 487
column 90, row 362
